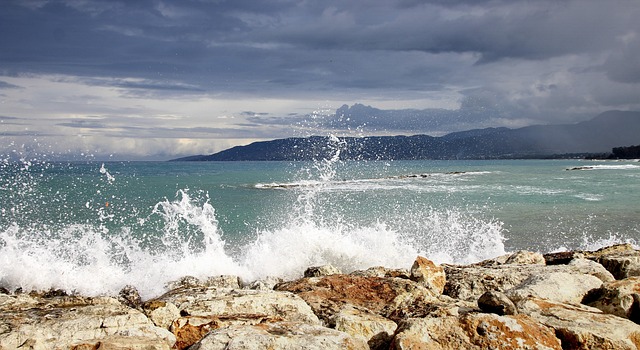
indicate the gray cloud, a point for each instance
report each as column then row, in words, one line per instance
column 471, row 63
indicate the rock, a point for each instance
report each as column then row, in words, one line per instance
column 497, row 303
column 470, row 282
column 561, row 287
column 76, row 322
column 328, row 294
column 161, row 313
column 616, row 249
column 497, row 261
column 279, row 335
column 202, row 309
column 376, row 330
column 524, row 257
column 223, row 281
column 184, row 282
column 620, row 298
column 317, row 271
column 622, row 266
column 379, row 271
column 475, row 331
column 590, row 267
column 429, row 275
column 267, row 283
column 561, row 258
column 583, row 327
column 129, row 296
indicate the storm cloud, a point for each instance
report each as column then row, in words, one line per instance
column 211, row 74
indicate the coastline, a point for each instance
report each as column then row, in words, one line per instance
column 524, row 300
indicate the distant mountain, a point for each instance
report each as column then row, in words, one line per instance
column 598, row 135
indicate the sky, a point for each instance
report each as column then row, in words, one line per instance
column 150, row 79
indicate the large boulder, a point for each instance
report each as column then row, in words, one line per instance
column 203, row 309
column 475, row 331
column 471, row 281
column 620, row 298
column 622, row 265
column 581, row 326
column 562, row 287
column 279, row 336
column 66, row 322
column 327, row 295
column 429, row 275
column 376, row 330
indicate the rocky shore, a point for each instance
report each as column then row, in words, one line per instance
column 524, row 300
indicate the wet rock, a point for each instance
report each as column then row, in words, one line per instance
column 76, row 322
column 279, row 335
column 223, row 281
column 583, row 327
column 475, row 331
column 129, row 296
column 317, row 271
column 620, row 298
column 496, row 303
column 561, row 287
column 429, row 275
column 524, row 257
column 376, row 330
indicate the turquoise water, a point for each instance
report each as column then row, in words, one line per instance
column 94, row 227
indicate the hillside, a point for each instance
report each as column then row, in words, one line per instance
column 598, row 135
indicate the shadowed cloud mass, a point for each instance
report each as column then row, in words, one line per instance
column 159, row 79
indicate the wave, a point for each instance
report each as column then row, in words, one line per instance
column 606, row 167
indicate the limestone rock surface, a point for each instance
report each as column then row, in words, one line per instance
column 620, row 298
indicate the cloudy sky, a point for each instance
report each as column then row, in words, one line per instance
column 150, row 79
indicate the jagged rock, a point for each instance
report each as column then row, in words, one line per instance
column 622, row 266
column 202, row 309
column 130, row 296
column 475, row 331
column 324, row 270
column 279, row 336
column 593, row 268
column 561, row 287
column 523, row 257
column 470, row 282
column 376, row 330
column 429, row 275
column 616, row 249
column 561, row 258
column 223, row 281
column 328, row 294
column 583, row 327
column 379, row 271
column 184, row 282
column 76, row 322
column 161, row 313
column 497, row 261
column 620, row 298
column 497, row 303
column 267, row 283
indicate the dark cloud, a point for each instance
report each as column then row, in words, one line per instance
column 475, row 63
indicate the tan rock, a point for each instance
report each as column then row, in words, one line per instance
column 497, row 303
column 376, row 330
column 523, row 257
column 429, row 275
column 279, row 336
column 380, row 271
column 620, row 298
column 583, row 327
column 561, row 287
column 470, row 282
column 475, row 331
column 622, row 266
column 161, row 313
column 65, row 322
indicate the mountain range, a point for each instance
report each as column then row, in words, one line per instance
column 596, row 136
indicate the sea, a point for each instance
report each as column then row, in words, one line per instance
column 93, row 227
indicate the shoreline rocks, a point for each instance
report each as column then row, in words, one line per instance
column 524, row 300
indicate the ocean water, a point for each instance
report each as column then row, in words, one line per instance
column 93, row 227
